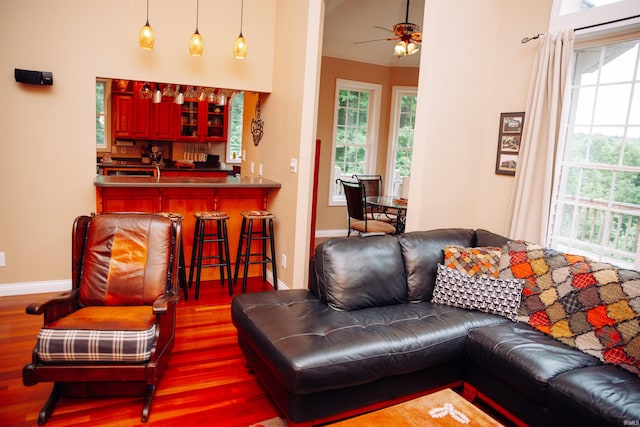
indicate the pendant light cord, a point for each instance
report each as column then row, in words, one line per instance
column 147, row 13
column 241, row 15
column 197, row 13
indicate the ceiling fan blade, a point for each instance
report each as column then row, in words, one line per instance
column 383, row 28
column 375, row 40
column 417, row 37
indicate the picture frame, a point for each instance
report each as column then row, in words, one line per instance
column 509, row 141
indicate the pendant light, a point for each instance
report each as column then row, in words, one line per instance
column 196, row 46
column 240, row 45
column 146, row 37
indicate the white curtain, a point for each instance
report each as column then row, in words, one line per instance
column 533, row 185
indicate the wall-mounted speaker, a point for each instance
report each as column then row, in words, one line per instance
column 34, row 77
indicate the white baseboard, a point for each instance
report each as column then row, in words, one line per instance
column 28, row 288
column 10, row 289
column 331, row 233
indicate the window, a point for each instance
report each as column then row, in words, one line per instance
column 403, row 121
column 571, row 6
column 234, row 146
column 355, row 128
column 101, row 117
column 597, row 200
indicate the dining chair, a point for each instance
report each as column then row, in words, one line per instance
column 359, row 221
column 373, row 187
column 113, row 332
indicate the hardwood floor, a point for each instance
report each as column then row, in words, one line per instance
column 206, row 383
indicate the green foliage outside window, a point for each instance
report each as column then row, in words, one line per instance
column 235, row 128
column 351, row 131
column 100, row 115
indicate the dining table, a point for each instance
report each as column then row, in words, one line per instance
column 396, row 204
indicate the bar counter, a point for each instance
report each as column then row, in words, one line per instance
column 117, row 181
column 185, row 196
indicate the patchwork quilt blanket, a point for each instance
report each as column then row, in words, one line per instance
column 591, row 306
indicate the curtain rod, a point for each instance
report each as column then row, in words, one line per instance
column 586, row 27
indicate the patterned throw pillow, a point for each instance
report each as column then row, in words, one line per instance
column 591, row 306
column 483, row 293
column 480, row 261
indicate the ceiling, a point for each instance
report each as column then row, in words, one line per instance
column 349, row 21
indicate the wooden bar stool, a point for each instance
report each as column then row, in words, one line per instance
column 248, row 234
column 216, row 233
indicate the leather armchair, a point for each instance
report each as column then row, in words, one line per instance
column 113, row 333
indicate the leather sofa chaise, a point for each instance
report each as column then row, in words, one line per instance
column 367, row 334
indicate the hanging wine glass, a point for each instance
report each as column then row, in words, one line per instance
column 168, row 91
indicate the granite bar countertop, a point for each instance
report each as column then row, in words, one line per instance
column 199, row 167
column 185, row 182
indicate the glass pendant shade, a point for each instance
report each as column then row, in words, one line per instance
column 196, row 46
column 168, row 91
column 146, row 38
column 240, row 47
column 402, row 48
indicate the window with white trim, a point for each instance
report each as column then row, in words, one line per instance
column 403, row 122
column 596, row 208
column 356, row 117
column 236, row 111
column 101, row 114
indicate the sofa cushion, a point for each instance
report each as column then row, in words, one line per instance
column 482, row 261
column 484, row 293
column 99, row 334
column 589, row 305
column 355, row 273
column 489, row 238
column 422, row 252
column 310, row 347
column 523, row 357
column 595, row 396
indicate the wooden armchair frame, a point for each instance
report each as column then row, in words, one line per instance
column 82, row 379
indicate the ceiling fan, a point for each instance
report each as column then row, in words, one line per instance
column 408, row 35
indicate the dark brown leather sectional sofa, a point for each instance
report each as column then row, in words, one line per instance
column 366, row 332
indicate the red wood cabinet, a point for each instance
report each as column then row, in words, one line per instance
column 141, row 113
column 122, row 114
column 193, row 121
column 163, row 118
column 203, row 121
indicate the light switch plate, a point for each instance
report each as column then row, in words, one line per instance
column 3, row 260
column 293, row 165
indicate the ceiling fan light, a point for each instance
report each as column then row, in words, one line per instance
column 196, row 46
column 412, row 48
column 400, row 49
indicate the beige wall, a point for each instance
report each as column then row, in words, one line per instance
column 476, row 68
column 47, row 135
column 473, row 67
column 333, row 218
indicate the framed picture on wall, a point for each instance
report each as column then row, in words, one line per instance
column 509, row 139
